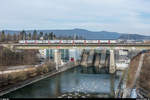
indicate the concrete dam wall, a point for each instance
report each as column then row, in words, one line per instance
column 98, row 59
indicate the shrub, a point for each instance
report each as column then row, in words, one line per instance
column 45, row 69
column 4, row 79
column 21, row 76
column 12, row 78
column 50, row 66
column 39, row 70
column 32, row 72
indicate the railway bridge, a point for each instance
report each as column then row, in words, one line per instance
column 110, row 47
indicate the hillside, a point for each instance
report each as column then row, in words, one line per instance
column 89, row 34
column 143, row 81
column 134, row 37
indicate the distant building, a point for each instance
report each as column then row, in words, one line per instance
column 66, row 54
column 130, row 41
column 123, row 52
column 42, row 53
column 146, row 41
column 42, row 38
column 120, row 41
column 75, row 53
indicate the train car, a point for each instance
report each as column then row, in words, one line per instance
column 44, row 41
column 104, row 41
column 79, row 41
column 38, row 41
column 33, row 41
column 68, row 41
column 47, row 41
column 56, row 41
column 113, row 41
column 64, row 41
column 30, row 41
column 92, row 41
column 21, row 41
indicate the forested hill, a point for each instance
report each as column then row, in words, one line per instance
column 88, row 34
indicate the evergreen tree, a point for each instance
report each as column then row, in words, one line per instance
column 54, row 37
column 14, row 37
column 41, row 34
column 29, row 36
column 8, row 37
column 77, row 37
column 3, row 37
column 34, row 37
column 22, row 35
column 46, row 36
column 50, row 36
column 0, row 36
column 18, row 37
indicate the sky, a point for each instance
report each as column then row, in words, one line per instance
column 124, row 16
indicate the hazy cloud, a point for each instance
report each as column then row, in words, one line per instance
column 131, row 16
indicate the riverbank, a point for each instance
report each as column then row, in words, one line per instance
column 37, row 78
column 74, row 82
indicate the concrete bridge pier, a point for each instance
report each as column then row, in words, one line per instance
column 112, row 65
column 84, row 59
column 103, row 56
column 57, row 58
column 107, row 57
column 90, row 57
column 96, row 59
column 100, row 61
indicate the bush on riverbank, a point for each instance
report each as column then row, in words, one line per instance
column 22, row 75
column 31, row 72
column 47, row 67
column 4, row 81
column 50, row 65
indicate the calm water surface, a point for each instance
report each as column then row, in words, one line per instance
column 76, row 82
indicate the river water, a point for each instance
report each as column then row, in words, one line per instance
column 76, row 82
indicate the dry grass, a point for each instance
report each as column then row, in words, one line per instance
column 31, row 72
column 132, row 70
column 144, row 78
column 18, row 76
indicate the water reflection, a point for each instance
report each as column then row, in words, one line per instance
column 76, row 82
column 112, row 85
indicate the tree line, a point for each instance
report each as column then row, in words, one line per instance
column 10, row 58
column 23, row 35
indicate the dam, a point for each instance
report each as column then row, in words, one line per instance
column 94, row 68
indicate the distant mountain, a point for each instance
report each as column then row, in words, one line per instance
column 85, row 33
column 88, row 34
column 134, row 37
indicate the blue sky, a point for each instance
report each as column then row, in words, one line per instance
column 125, row 16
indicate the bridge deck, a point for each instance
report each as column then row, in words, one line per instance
column 91, row 46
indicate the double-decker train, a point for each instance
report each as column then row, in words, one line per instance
column 68, row 41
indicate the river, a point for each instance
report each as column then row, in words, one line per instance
column 76, row 82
